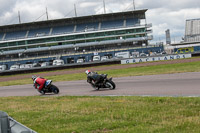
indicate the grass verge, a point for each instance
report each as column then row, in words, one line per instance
column 105, row 114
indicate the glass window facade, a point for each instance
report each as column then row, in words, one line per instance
column 76, row 38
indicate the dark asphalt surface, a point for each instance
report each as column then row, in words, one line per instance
column 181, row 84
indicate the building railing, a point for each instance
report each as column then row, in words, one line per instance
column 79, row 45
column 69, row 33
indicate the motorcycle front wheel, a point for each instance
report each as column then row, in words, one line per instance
column 110, row 84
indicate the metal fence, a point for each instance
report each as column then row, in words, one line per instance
column 10, row 125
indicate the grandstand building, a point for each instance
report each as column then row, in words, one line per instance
column 74, row 38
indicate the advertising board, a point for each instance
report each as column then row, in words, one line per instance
column 158, row 58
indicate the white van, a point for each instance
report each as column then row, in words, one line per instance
column 80, row 60
column 14, row 67
column 28, row 65
column 123, row 54
column 103, row 58
column 3, row 67
column 96, row 58
column 58, row 62
column 44, row 64
column 36, row 65
column 143, row 55
column 22, row 66
column 25, row 66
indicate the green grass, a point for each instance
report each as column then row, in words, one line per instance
column 135, row 71
column 158, row 69
column 86, row 114
column 105, row 114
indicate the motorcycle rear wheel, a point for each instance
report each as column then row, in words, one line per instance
column 55, row 89
column 42, row 92
column 111, row 85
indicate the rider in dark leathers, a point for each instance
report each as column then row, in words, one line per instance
column 93, row 78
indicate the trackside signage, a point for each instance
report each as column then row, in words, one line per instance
column 158, row 58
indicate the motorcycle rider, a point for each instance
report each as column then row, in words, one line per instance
column 39, row 81
column 93, row 78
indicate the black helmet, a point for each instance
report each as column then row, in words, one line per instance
column 34, row 77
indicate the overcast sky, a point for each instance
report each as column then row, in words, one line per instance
column 163, row 14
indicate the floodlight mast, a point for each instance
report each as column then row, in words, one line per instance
column 19, row 17
column 104, row 6
column 133, row 4
column 75, row 10
column 47, row 14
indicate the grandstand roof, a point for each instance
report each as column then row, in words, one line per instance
column 74, row 20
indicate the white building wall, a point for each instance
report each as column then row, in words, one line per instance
column 192, row 30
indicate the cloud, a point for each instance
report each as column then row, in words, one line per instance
column 163, row 14
column 88, row 4
column 170, row 4
column 6, row 6
column 163, row 19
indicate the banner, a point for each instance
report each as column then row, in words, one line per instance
column 157, row 58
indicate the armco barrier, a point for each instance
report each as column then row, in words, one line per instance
column 9, row 125
column 4, row 123
column 17, row 127
column 66, row 66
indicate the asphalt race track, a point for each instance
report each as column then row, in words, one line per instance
column 182, row 84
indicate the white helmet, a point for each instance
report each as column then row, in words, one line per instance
column 87, row 72
column 34, row 77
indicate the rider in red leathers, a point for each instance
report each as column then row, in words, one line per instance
column 39, row 83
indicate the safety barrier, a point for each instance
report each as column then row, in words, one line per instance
column 9, row 125
column 65, row 66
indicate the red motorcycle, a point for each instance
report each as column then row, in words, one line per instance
column 49, row 88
